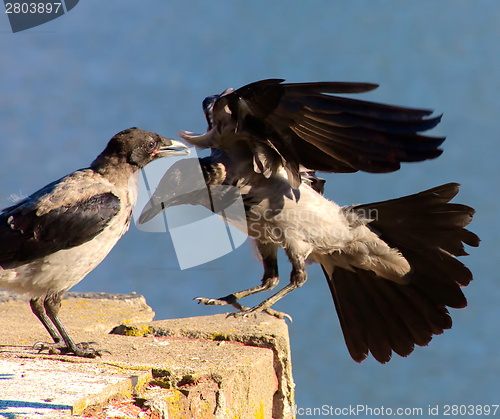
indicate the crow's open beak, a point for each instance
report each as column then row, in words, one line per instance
column 169, row 147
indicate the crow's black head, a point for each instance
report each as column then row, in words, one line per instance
column 138, row 148
column 208, row 108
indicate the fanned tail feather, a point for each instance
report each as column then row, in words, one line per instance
column 379, row 316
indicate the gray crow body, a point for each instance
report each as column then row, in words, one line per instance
column 391, row 266
column 52, row 239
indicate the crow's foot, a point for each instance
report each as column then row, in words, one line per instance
column 243, row 311
column 246, row 312
column 82, row 349
column 230, row 300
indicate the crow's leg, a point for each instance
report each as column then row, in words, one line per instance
column 268, row 253
column 51, row 305
column 38, row 310
column 298, row 277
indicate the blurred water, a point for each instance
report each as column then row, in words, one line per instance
column 66, row 87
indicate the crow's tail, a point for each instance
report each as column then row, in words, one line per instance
column 381, row 316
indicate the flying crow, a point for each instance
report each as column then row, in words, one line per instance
column 52, row 239
column 391, row 266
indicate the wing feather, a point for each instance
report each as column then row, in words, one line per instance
column 26, row 236
column 307, row 124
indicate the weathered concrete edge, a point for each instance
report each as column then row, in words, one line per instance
column 128, row 387
column 265, row 337
column 10, row 296
column 262, row 332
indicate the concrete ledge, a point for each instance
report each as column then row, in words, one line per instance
column 89, row 312
column 262, row 331
column 35, row 386
column 205, row 367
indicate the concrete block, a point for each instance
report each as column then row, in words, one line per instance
column 262, row 331
column 205, row 367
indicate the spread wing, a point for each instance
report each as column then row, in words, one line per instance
column 292, row 124
column 26, row 236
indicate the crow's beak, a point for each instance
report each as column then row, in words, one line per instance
column 169, row 147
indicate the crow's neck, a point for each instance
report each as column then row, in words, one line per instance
column 114, row 168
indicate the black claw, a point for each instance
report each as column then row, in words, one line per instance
column 41, row 346
column 82, row 349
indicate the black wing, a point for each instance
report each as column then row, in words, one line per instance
column 26, row 236
column 293, row 124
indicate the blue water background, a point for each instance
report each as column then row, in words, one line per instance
column 67, row 86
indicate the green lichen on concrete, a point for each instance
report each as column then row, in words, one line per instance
column 141, row 330
column 162, row 382
column 218, row 337
column 176, row 404
column 163, row 379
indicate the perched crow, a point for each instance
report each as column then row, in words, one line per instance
column 391, row 266
column 52, row 239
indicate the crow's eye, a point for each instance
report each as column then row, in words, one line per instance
column 151, row 145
